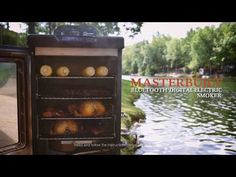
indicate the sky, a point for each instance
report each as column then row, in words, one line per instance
column 17, row 27
column 177, row 30
column 174, row 29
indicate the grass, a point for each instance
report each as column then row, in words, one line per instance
column 229, row 84
column 4, row 75
column 132, row 113
column 131, row 145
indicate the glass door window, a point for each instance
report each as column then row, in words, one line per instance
column 8, row 104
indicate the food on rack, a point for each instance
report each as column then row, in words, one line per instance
column 92, row 108
column 73, row 109
column 87, row 108
column 65, row 127
column 99, row 108
column 49, row 112
column 60, row 114
column 52, row 112
column 46, row 70
column 63, row 71
column 101, row 71
column 88, row 71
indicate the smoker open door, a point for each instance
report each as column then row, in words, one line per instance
column 77, row 111
column 15, row 116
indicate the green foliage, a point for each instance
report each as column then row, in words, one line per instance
column 8, row 37
column 174, row 52
column 209, row 47
column 105, row 28
column 202, row 45
column 6, row 70
column 22, row 39
column 134, row 67
column 4, row 76
column 225, row 44
column 134, row 55
column 156, row 54
column 132, row 113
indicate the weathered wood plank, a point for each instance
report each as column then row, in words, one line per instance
column 57, row 51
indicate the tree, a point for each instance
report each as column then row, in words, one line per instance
column 134, row 28
column 138, row 53
column 185, row 51
column 47, row 27
column 174, row 54
column 5, row 25
column 209, row 47
column 149, row 57
column 225, row 45
column 127, row 60
column 31, row 27
column 156, row 53
column 134, row 67
column 202, row 47
column 105, row 28
column 133, row 58
column 8, row 26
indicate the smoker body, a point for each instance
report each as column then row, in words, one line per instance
column 75, row 113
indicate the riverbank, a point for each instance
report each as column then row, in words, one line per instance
column 131, row 114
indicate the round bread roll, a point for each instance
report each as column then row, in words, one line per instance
column 99, row 108
column 63, row 71
column 52, row 112
column 92, row 108
column 88, row 71
column 46, row 70
column 101, row 71
column 49, row 112
column 65, row 127
column 87, row 108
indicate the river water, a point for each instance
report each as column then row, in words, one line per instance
column 186, row 124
